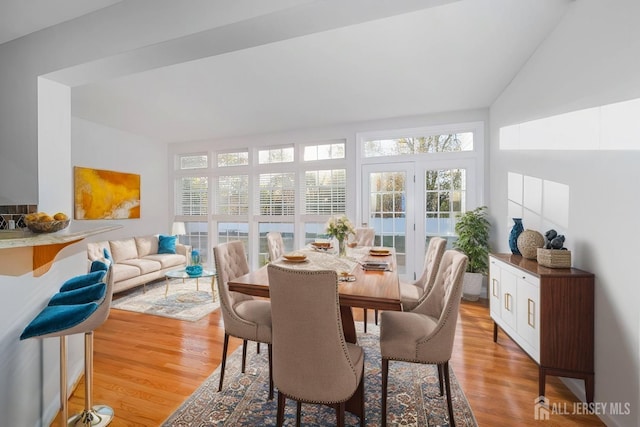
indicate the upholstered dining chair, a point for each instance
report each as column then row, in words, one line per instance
column 275, row 244
column 244, row 317
column 312, row 362
column 426, row 334
column 364, row 236
column 411, row 294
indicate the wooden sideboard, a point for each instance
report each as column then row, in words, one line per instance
column 548, row 312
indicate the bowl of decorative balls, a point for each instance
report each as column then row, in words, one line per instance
column 42, row 222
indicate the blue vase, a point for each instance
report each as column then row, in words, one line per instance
column 513, row 236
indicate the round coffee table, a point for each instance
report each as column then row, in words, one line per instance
column 182, row 274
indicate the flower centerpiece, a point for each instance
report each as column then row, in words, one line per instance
column 340, row 228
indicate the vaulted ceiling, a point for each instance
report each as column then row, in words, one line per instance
column 415, row 58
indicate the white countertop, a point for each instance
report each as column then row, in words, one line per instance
column 75, row 231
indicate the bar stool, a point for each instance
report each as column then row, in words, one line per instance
column 81, row 306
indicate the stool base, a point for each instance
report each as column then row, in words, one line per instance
column 98, row 416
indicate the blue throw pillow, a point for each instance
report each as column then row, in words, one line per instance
column 167, row 244
column 82, row 281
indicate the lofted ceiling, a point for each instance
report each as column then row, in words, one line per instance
column 444, row 56
column 21, row 17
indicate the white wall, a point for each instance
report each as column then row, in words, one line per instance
column 101, row 147
column 591, row 59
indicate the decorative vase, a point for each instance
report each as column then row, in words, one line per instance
column 528, row 243
column 342, row 247
column 513, row 236
column 195, row 257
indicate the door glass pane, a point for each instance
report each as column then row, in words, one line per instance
column 387, row 212
column 444, row 199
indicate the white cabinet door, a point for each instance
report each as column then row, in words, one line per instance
column 494, row 288
column 528, row 315
column 509, row 289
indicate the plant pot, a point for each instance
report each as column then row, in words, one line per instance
column 472, row 286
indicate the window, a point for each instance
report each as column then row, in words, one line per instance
column 191, row 196
column 325, row 192
column 198, row 238
column 419, row 145
column 285, row 229
column 232, row 195
column 277, row 193
column 193, row 161
column 324, row 152
column 230, row 231
column 275, row 155
column 445, row 198
column 236, row 158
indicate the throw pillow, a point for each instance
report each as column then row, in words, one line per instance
column 167, row 244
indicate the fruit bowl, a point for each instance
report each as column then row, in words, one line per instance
column 47, row 226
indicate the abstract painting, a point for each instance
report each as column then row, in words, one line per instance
column 103, row 194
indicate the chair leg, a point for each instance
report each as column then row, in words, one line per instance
column 365, row 320
column 385, row 377
column 64, row 405
column 224, row 359
column 440, row 378
column 257, row 347
column 452, row 421
column 340, row 414
column 280, row 413
column 94, row 416
column 376, row 316
column 269, row 348
column 298, row 412
column 244, row 354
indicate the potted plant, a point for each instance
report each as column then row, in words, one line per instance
column 472, row 229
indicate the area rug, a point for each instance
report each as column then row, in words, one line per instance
column 183, row 300
column 414, row 397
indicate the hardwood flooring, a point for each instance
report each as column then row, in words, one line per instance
column 146, row 366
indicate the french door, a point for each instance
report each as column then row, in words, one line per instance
column 389, row 208
column 407, row 203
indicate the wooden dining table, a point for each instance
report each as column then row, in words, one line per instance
column 370, row 290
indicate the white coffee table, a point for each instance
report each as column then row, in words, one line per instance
column 182, row 274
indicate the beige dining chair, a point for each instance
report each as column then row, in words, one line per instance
column 426, row 334
column 275, row 245
column 244, row 317
column 364, row 236
column 411, row 294
column 312, row 362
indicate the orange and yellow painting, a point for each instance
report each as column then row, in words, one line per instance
column 103, row 194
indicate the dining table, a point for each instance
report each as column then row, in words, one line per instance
column 358, row 286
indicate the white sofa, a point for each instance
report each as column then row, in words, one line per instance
column 136, row 260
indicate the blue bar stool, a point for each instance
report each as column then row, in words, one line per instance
column 81, row 306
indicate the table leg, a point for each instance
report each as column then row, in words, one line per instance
column 166, row 289
column 213, row 288
column 197, row 284
column 348, row 324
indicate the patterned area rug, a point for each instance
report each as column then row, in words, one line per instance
column 414, row 397
column 183, row 300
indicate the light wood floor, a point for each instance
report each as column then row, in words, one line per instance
column 146, row 366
